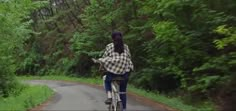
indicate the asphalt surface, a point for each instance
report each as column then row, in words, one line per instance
column 81, row 97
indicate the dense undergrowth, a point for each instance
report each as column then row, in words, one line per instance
column 28, row 98
column 182, row 48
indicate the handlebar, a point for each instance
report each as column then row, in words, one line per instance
column 95, row 60
column 101, row 68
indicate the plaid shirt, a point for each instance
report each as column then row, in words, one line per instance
column 115, row 62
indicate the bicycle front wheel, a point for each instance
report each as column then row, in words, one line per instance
column 119, row 106
column 110, row 108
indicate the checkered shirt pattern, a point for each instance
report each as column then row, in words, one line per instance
column 115, row 62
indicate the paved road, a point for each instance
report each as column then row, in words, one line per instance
column 74, row 96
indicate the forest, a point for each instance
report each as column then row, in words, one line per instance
column 181, row 48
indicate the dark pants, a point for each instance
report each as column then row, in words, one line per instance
column 123, row 85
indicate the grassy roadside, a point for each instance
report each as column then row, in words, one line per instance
column 30, row 97
column 175, row 103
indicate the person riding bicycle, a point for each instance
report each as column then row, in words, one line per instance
column 117, row 63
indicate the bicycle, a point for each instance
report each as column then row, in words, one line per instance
column 116, row 104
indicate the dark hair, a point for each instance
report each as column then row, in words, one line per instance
column 118, row 42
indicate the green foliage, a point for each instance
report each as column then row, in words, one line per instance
column 181, row 46
column 49, row 50
column 90, row 40
column 226, row 45
column 230, row 38
column 170, row 41
column 30, row 97
column 173, row 102
column 8, row 83
column 14, row 31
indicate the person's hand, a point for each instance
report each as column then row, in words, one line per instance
column 94, row 60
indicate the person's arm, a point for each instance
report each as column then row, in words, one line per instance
column 105, row 54
column 128, row 52
column 129, row 56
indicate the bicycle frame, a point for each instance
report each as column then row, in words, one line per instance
column 115, row 93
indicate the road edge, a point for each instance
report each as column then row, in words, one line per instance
column 140, row 98
column 39, row 107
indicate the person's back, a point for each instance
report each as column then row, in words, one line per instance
column 115, row 62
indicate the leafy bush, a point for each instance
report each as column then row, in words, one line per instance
column 14, row 31
column 8, row 81
column 30, row 97
column 180, row 47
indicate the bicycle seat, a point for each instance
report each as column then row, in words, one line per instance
column 118, row 79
